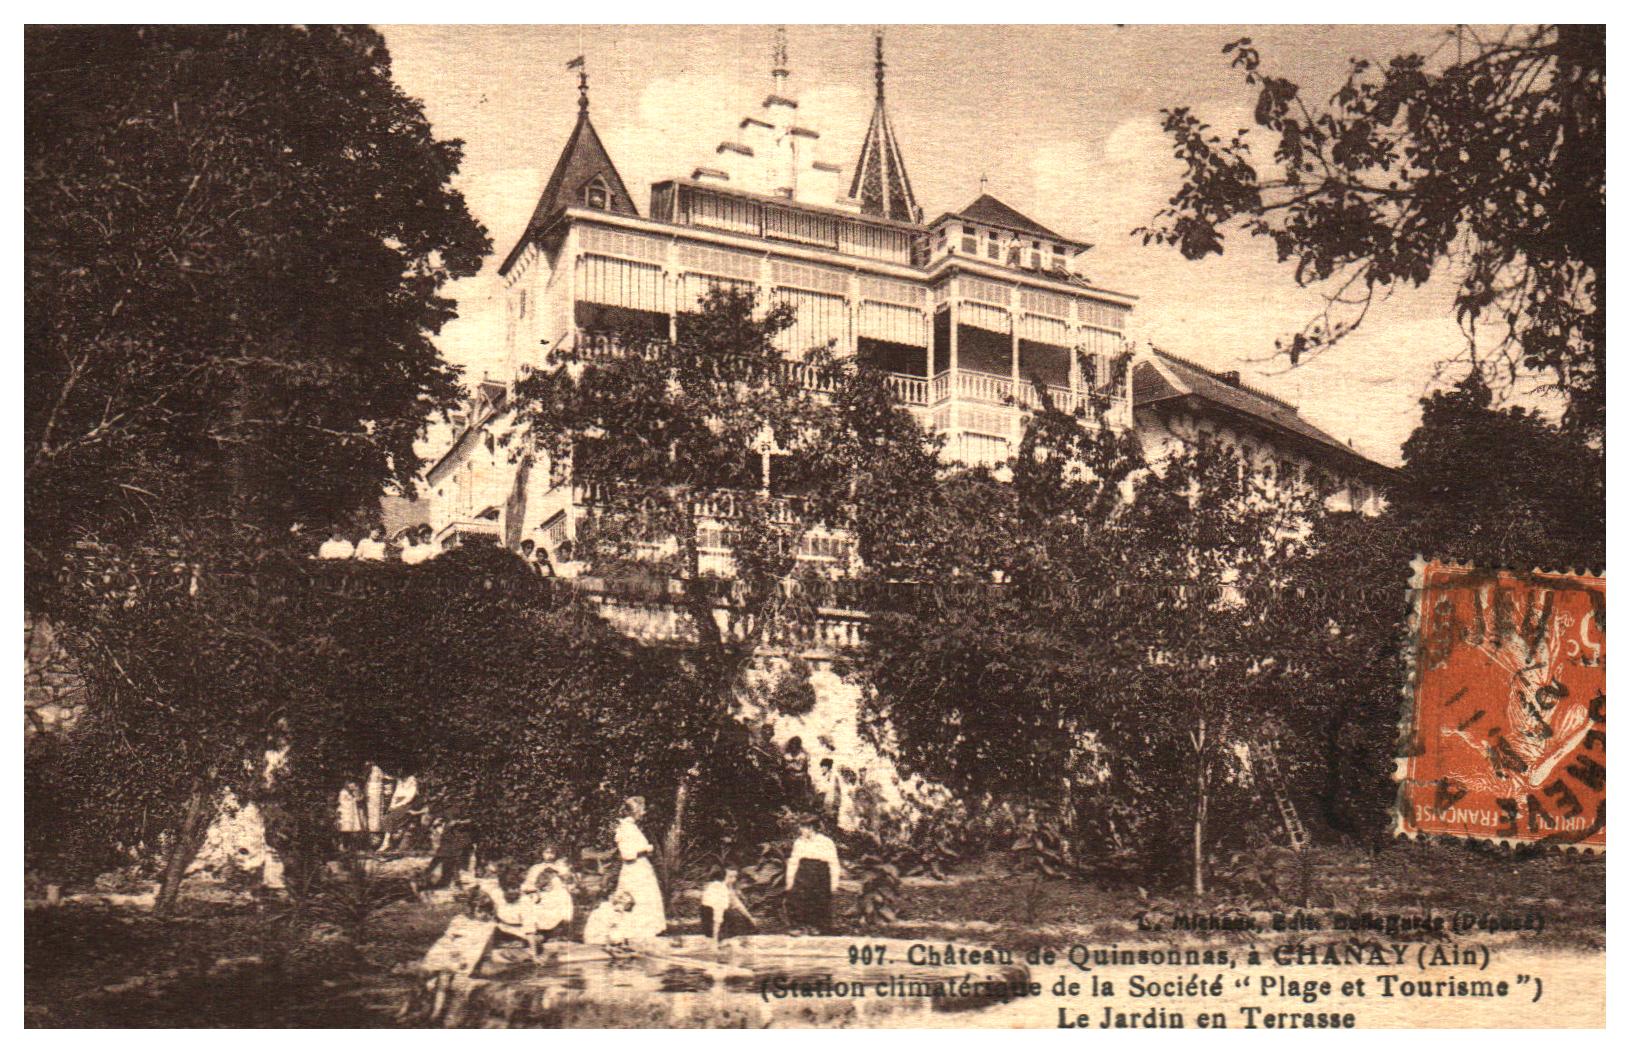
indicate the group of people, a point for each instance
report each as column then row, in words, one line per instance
column 557, row 564
column 634, row 909
column 814, row 787
column 539, row 907
column 381, row 812
column 414, row 545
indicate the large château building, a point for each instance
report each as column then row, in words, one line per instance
column 966, row 312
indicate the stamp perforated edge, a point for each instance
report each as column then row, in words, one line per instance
column 1415, row 596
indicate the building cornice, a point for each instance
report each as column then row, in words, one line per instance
column 791, row 249
column 996, row 272
column 757, row 246
column 798, row 206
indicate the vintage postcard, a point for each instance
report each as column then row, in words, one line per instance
column 972, row 527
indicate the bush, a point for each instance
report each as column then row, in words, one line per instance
column 504, row 692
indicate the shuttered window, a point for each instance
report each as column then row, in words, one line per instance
column 620, row 283
column 603, row 242
column 1044, row 330
column 891, row 322
column 1103, row 315
column 694, row 287
column 988, row 292
column 821, row 318
column 991, row 319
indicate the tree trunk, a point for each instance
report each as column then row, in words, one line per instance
column 1201, row 800
column 675, row 839
column 1200, row 836
column 189, row 838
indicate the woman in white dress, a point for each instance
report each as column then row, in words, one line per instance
column 638, row 878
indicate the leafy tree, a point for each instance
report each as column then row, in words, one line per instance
column 1343, row 615
column 1492, row 165
column 1500, row 487
column 717, row 433
column 235, row 242
column 1103, row 619
column 977, row 673
column 503, row 692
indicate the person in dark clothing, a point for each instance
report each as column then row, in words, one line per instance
column 812, row 878
column 795, row 780
column 452, row 853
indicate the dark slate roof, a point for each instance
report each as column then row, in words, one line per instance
column 583, row 159
column 1175, row 378
column 880, row 182
column 988, row 210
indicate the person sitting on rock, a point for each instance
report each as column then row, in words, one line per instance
column 548, row 890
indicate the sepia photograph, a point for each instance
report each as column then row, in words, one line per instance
column 814, row 526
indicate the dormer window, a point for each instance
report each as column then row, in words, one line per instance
column 597, row 194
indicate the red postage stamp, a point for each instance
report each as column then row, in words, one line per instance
column 1507, row 731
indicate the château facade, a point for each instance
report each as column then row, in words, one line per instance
column 967, row 314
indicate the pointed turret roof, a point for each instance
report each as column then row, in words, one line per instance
column 581, row 163
column 880, row 183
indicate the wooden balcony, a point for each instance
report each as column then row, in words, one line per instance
column 996, row 407
column 972, row 386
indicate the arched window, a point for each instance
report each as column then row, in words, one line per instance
column 597, row 194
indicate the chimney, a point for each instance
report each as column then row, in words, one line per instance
column 1230, row 377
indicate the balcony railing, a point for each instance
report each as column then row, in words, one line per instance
column 958, row 385
column 464, row 528
column 1001, row 391
column 721, row 505
column 913, row 391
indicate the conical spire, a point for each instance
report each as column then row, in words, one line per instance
column 584, row 166
column 880, row 181
column 584, row 176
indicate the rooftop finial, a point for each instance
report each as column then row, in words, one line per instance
column 582, row 83
column 880, row 65
column 778, row 56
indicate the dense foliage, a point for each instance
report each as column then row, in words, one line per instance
column 1102, row 634
column 235, row 241
column 504, row 692
column 1484, row 162
column 1501, row 487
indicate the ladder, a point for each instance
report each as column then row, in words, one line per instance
column 1274, row 779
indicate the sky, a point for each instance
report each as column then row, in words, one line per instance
column 1062, row 122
